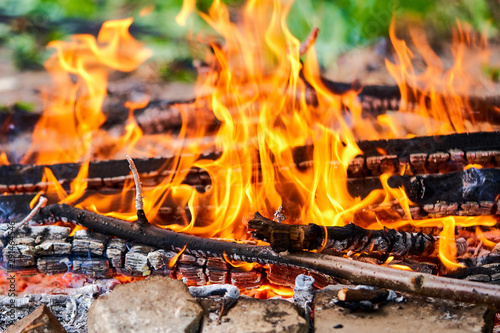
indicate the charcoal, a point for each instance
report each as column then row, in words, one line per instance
column 86, row 242
column 93, row 267
column 193, row 275
column 53, row 265
column 136, row 260
column 115, row 251
column 19, row 253
column 246, row 280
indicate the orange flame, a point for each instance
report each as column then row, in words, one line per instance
column 259, row 90
column 73, row 113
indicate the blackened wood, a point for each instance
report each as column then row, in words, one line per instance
column 22, row 178
column 286, row 237
column 115, row 251
column 471, row 185
column 357, row 295
column 136, row 260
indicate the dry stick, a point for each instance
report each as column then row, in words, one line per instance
column 41, row 203
column 309, row 41
column 139, row 205
column 355, row 271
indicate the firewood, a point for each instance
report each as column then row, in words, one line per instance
column 285, row 237
column 86, row 242
column 357, row 295
column 94, row 267
column 115, row 251
column 352, row 270
column 136, row 260
column 421, row 154
column 246, row 279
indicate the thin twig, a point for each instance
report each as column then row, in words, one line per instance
column 139, row 204
column 309, row 41
column 41, row 203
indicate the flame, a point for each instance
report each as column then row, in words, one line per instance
column 259, row 90
column 440, row 94
column 267, row 291
column 486, row 242
column 3, row 159
column 72, row 113
column 173, row 260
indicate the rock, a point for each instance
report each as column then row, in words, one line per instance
column 256, row 316
column 156, row 304
column 39, row 321
column 414, row 314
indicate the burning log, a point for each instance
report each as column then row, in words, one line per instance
column 286, row 237
column 437, row 153
column 357, row 272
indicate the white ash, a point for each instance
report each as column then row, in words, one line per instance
column 226, row 290
column 303, row 292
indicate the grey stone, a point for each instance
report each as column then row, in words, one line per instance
column 257, row 316
column 414, row 314
column 156, row 304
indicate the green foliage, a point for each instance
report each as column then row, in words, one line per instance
column 344, row 24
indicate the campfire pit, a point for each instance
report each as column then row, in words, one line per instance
column 368, row 210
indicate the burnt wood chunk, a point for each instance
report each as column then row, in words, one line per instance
column 189, row 259
column 115, row 251
column 136, row 260
column 285, row 237
column 192, row 275
column 283, row 276
column 162, row 260
column 44, row 232
column 92, row 267
column 217, row 276
column 471, row 185
column 86, row 242
column 53, row 265
column 246, row 279
column 53, row 247
column 20, row 252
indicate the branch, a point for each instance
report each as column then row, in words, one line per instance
column 139, row 205
column 41, row 203
column 354, row 271
column 309, row 41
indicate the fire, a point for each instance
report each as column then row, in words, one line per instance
column 258, row 90
column 72, row 114
column 267, row 291
column 439, row 95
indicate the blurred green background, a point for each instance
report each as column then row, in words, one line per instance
column 26, row 26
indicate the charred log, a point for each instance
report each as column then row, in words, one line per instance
column 441, row 154
column 286, row 237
